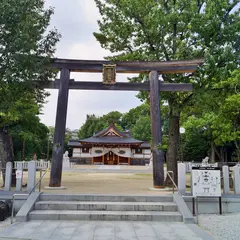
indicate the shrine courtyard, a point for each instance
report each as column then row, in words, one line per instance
column 91, row 180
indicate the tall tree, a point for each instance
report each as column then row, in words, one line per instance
column 142, row 129
column 95, row 124
column 174, row 30
column 25, row 50
column 216, row 117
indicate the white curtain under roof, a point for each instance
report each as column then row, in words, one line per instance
column 122, row 152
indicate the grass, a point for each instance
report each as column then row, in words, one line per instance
column 143, row 174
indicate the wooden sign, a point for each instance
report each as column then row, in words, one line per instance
column 109, row 74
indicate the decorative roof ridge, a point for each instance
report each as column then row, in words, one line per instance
column 106, row 130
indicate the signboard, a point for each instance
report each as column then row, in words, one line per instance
column 19, row 174
column 206, row 182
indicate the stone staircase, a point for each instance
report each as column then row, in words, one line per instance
column 105, row 207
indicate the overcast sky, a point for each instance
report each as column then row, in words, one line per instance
column 76, row 22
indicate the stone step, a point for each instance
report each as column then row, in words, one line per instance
column 108, row 206
column 105, row 198
column 105, row 215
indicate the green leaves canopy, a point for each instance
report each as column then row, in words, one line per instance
column 173, row 30
column 25, row 51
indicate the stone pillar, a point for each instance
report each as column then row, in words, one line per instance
column 225, row 170
column 32, row 166
column 8, row 176
column 236, row 179
column 19, row 176
column 182, row 177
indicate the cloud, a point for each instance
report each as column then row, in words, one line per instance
column 89, row 50
column 90, row 11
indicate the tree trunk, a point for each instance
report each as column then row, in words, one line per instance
column 222, row 154
column 173, row 144
column 237, row 150
column 23, row 150
column 212, row 159
column 6, row 154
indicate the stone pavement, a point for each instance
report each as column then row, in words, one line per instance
column 105, row 230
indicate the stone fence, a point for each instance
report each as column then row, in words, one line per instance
column 39, row 164
column 32, row 167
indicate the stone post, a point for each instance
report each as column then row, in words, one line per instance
column 32, row 166
column 8, row 176
column 225, row 170
column 182, row 177
column 19, row 176
column 236, row 179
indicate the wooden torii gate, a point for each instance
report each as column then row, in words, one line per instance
column 154, row 68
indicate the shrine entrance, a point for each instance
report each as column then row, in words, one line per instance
column 113, row 159
column 110, row 158
column 109, row 70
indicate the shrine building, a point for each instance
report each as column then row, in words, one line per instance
column 110, row 147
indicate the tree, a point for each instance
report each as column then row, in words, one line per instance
column 142, row 129
column 112, row 117
column 91, row 126
column 216, row 116
column 95, row 124
column 25, row 49
column 29, row 139
column 130, row 118
column 174, row 30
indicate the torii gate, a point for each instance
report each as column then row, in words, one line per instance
column 154, row 68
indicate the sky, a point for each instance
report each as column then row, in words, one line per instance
column 76, row 22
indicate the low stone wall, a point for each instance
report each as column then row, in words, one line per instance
column 81, row 161
column 230, row 204
column 140, row 162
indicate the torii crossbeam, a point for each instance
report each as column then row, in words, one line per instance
column 154, row 68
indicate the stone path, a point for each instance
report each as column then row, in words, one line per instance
column 109, row 230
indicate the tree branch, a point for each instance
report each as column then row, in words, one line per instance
column 138, row 20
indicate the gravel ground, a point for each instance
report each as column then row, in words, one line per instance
column 222, row 227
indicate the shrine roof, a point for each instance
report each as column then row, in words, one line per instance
column 110, row 140
column 111, row 129
column 109, row 135
column 74, row 143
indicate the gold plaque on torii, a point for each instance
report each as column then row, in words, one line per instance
column 109, row 74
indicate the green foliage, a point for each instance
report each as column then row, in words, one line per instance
column 95, row 124
column 92, row 125
column 130, row 118
column 142, row 129
column 194, row 145
column 216, row 117
column 112, row 117
column 29, row 136
column 137, row 120
column 179, row 30
column 25, row 50
column 26, row 46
